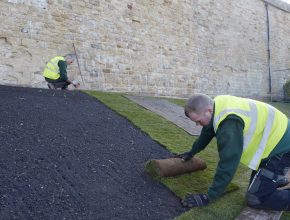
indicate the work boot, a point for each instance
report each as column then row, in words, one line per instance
column 50, row 86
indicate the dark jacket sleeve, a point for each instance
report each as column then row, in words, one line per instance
column 62, row 70
column 230, row 147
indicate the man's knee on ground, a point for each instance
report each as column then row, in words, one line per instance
column 252, row 200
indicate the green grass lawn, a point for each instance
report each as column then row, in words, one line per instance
column 177, row 140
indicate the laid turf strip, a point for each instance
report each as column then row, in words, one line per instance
column 65, row 155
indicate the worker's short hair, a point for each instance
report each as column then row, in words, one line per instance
column 197, row 103
column 70, row 56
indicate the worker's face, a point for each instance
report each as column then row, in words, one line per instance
column 203, row 118
column 70, row 61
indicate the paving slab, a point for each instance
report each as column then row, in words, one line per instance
column 169, row 111
column 249, row 213
column 65, row 155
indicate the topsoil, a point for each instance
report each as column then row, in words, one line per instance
column 65, row 155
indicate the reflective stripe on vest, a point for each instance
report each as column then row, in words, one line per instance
column 253, row 113
column 257, row 131
column 51, row 70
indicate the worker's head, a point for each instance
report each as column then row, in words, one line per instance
column 70, row 58
column 199, row 108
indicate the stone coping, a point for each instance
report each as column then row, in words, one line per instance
column 279, row 4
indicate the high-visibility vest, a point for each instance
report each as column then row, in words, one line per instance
column 51, row 70
column 264, row 126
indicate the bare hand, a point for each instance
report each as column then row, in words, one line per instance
column 76, row 85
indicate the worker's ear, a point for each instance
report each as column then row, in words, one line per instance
column 209, row 109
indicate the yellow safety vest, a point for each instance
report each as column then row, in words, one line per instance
column 264, row 126
column 51, row 70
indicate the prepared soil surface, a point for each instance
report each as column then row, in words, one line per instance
column 65, row 155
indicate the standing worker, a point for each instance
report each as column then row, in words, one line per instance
column 55, row 72
column 247, row 131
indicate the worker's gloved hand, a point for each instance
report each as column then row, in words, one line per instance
column 194, row 200
column 185, row 156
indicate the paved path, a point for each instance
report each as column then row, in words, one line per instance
column 169, row 111
column 65, row 155
column 249, row 213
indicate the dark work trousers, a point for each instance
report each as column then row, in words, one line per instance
column 263, row 192
column 58, row 83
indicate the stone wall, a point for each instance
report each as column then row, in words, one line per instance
column 160, row 47
column 280, row 48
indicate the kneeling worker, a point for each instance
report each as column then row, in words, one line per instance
column 55, row 72
column 247, row 131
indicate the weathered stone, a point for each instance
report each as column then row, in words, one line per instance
column 106, row 70
column 249, row 213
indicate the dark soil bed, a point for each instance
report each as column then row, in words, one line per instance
column 64, row 155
